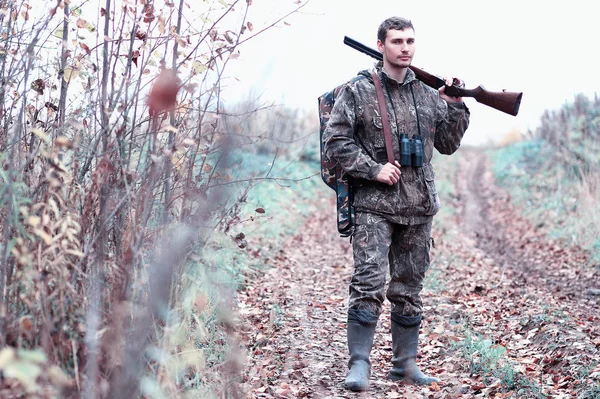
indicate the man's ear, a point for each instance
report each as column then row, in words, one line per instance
column 380, row 46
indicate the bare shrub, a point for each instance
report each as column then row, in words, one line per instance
column 114, row 174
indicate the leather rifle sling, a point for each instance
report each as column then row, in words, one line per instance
column 387, row 135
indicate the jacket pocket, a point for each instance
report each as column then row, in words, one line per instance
column 380, row 155
column 376, row 198
column 379, row 150
column 433, row 202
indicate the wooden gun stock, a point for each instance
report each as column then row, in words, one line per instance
column 508, row 102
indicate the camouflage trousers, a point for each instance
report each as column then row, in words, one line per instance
column 379, row 244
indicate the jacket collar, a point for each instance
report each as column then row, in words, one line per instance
column 409, row 77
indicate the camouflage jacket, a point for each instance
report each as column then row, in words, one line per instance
column 354, row 137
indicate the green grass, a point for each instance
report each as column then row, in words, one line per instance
column 445, row 168
column 484, row 357
column 549, row 194
column 489, row 361
column 434, row 279
column 592, row 391
column 285, row 191
column 444, row 222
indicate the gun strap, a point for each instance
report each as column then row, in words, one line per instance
column 387, row 135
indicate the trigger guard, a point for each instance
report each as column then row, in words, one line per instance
column 458, row 83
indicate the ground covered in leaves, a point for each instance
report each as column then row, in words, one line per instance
column 509, row 312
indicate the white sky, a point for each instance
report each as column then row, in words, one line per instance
column 546, row 49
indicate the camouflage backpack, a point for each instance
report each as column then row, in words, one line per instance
column 332, row 173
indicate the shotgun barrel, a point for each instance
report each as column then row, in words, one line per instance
column 508, row 102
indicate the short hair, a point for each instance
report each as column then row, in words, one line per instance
column 397, row 23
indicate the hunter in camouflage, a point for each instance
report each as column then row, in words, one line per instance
column 393, row 206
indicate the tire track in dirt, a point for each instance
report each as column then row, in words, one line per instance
column 515, row 243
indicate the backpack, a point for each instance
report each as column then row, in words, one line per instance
column 332, row 173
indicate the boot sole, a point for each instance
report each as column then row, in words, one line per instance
column 394, row 377
column 356, row 387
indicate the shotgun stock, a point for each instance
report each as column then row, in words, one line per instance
column 508, row 102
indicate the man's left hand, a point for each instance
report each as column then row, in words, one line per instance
column 449, row 99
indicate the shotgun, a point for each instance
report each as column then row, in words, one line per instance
column 504, row 101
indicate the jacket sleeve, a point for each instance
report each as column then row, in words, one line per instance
column 450, row 129
column 339, row 139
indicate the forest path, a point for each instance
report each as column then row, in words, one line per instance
column 495, row 283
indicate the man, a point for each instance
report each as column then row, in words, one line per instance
column 394, row 206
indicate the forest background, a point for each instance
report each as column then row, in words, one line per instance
column 135, row 203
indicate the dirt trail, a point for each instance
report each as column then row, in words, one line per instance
column 514, row 242
column 493, row 275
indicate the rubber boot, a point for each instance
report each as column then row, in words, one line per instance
column 405, row 338
column 361, row 330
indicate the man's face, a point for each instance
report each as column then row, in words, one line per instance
column 399, row 47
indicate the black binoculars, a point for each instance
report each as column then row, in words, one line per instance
column 411, row 151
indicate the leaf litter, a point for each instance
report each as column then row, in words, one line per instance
column 507, row 312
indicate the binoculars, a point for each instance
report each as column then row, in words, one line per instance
column 411, row 151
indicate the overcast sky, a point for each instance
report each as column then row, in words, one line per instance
column 546, row 49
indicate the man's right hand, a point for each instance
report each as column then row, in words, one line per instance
column 389, row 174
